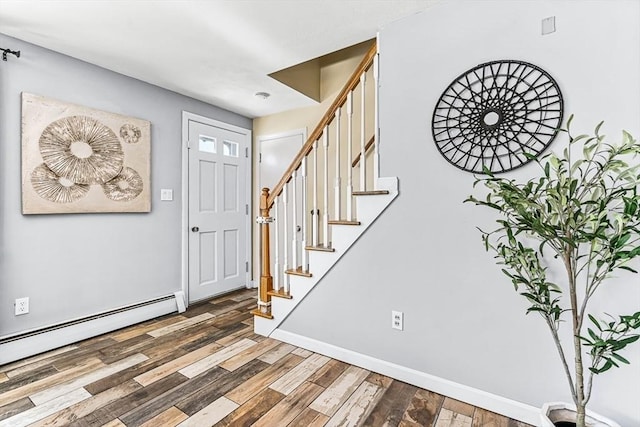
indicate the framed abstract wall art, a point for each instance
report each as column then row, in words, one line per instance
column 77, row 159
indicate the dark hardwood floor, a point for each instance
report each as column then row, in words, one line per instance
column 206, row 367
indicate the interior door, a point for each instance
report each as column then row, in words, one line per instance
column 218, row 210
column 276, row 154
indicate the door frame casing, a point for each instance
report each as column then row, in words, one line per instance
column 186, row 117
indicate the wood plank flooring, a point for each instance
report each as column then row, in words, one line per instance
column 206, row 367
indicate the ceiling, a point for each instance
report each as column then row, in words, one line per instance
column 217, row 51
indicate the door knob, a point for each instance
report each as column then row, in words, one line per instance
column 195, row 229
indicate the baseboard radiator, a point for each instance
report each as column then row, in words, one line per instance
column 37, row 340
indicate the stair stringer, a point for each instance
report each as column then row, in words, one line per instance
column 368, row 208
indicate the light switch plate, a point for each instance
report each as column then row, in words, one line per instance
column 549, row 25
column 166, row 194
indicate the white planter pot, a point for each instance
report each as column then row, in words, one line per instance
column 560, row 411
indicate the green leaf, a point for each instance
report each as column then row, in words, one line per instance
column 579, row 137
column 573, row 186
column 613, row 363
column 630, row 206
column 487, row 171
column 620, row 358
column 595, row 322
column 625, row 267
column 587, row 150
column 597, row 129
column 607, row 365
column 620, row 241
column 531, row 309
column 587, row 340
column 507, row 273
column 629, row 340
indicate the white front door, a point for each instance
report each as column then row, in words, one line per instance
column 218, row 208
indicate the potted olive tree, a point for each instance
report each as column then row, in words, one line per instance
column 582, row 214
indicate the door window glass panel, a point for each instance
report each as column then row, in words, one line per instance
column 230, row 148
column 207, row 144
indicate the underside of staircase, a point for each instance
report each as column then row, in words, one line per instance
column 369, row 205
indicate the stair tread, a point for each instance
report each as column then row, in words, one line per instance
column 320, row 248
column 258, row 313
column 280, row 294
column 298, row 272
column 370, row 193
column 343, row 222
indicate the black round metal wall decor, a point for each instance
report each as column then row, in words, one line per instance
column 493, row 114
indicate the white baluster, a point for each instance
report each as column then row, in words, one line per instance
column 294, row 221
column 349, row 156
column 276, row 266
column 376, row 125
column 363, row 138
column 285, row 240
column 325, row 216
column 315, row 223
column 305, row 254
column 337, row 186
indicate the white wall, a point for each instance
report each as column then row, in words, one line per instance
column 463, row 320
column 77, row 265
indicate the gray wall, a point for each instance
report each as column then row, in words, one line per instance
column 76, row 265
column 463, row 320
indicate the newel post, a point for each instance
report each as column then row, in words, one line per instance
column 266, row 280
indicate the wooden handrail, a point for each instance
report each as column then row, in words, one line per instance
column 328, row 117
column 366, row 149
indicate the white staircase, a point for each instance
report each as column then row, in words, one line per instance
column 324, row 202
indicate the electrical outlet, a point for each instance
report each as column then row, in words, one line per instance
column 22, row 306
column 397, row 320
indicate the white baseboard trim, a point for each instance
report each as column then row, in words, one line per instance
column 38, row 343
column 491, row 402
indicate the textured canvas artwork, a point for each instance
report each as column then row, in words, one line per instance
column 77, row 159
